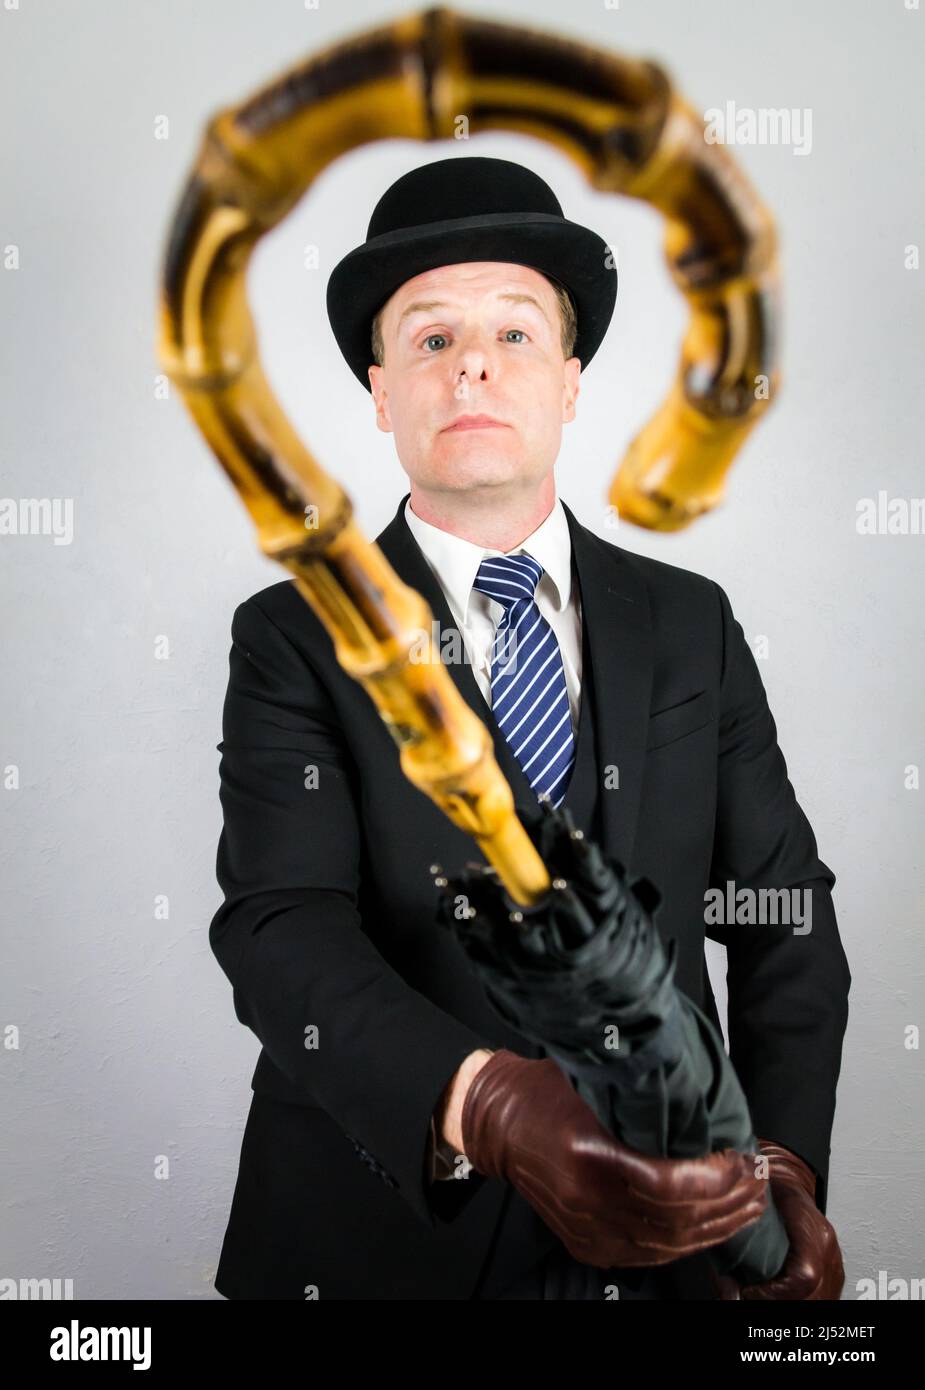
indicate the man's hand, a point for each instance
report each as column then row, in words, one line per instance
column 813, row 1268
column 523, row 1122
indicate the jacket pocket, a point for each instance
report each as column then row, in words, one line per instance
column 668, row 725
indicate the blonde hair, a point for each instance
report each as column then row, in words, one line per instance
column 569, row 325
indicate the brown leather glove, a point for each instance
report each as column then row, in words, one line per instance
column 813, row 1268
column 523, row 1122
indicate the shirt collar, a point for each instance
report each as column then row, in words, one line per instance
column 456, row 561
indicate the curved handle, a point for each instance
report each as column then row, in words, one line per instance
column 629, row 133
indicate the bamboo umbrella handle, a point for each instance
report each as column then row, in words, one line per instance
column 630, row 133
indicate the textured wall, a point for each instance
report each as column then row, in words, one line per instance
column 128, row 1048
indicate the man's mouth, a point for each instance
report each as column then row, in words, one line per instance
column 475, row 422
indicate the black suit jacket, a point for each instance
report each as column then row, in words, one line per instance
column 365, row 1008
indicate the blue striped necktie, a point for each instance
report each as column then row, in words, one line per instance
column 529, row 696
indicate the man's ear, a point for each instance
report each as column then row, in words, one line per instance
column 381, row 398
column 571, row 388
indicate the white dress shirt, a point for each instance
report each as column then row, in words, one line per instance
column 455, row 562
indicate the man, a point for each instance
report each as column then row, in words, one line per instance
column 638, row 706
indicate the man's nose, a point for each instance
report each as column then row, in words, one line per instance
column 474, row 359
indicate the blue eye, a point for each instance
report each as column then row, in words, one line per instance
column 430, row 336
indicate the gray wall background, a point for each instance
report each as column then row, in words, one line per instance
column 128, row 1044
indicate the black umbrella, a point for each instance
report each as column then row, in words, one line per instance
column 584, row 974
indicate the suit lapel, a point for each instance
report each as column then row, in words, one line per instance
column 617, row 657
column 617, row 633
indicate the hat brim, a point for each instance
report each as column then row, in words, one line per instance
column 362, row 282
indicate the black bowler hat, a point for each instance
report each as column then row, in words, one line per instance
column 468, row 208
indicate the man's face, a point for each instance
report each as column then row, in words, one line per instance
column 480, row 338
